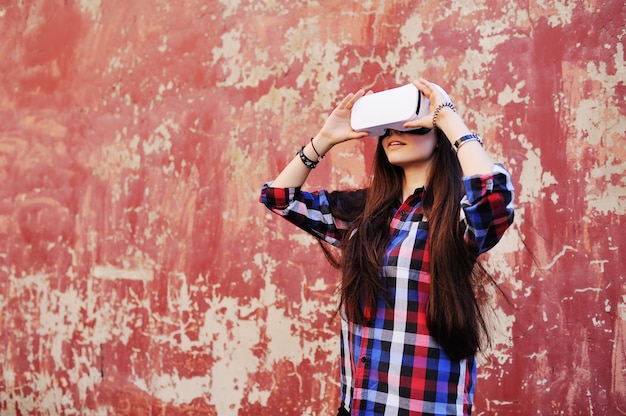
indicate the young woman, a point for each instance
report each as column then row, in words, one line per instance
column 411, row 323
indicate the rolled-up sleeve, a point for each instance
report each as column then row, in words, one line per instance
column 488, row 207
column 310, row 211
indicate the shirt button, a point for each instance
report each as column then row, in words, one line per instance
column 363, row 359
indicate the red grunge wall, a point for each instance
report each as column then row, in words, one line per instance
column 140, row 276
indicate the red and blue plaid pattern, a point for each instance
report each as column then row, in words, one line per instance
column 394, row 367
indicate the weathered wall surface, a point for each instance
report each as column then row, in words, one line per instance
column 138, row 273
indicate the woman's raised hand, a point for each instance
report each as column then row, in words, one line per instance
column 337, row 128
column 436, row 96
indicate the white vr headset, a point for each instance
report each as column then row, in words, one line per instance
column 390, row 109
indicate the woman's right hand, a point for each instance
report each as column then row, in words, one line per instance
column 337, row 128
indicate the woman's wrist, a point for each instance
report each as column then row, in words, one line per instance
column 451, row 124
column 321, row 144
column 447, row 106
column 311, row 153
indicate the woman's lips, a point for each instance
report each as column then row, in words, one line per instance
column 394, row 143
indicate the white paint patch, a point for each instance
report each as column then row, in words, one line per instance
column 533, row 178
column 230, row 339
column 587, row 120
column 230, row 7
column 267, row 265
column 502, row 335
column 512, row 95
column 283, row 100
column 93, row 7
column 558, row 13
column 160, row 141
column 172, row 388
column 163, row 46
column 230, row 52
column 110, row 272
column 303, row 239
column 564, row 250
column 179, row 297
column 603, row 196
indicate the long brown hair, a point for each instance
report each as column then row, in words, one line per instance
column 454, row 316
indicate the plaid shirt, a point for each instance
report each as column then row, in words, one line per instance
column 394, row 367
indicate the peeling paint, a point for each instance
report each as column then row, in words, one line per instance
column 138, row 273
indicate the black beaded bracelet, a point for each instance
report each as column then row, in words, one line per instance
column 307, row 162
column 438, row 109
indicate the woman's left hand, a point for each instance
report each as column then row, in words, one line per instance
column 436, row 96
